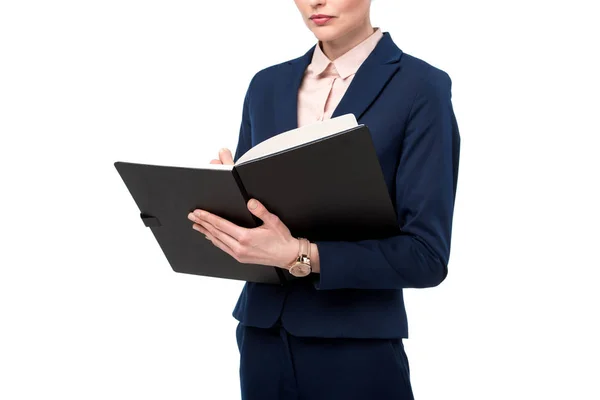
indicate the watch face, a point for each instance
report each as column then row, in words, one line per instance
column 300, row 270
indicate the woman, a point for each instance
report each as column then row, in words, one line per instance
column 337, row 332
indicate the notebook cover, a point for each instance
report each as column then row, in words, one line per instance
column 332, row 189
column 165, row 195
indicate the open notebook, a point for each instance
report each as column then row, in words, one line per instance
column 323, row 180
column 294, row 138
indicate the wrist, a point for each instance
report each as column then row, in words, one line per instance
column 291, row 253
column 314, row 258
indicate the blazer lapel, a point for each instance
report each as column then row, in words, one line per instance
column 286, row 97
column 370, row 79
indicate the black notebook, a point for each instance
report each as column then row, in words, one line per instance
column 323, row 180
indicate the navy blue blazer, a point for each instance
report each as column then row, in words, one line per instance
column 406, row 103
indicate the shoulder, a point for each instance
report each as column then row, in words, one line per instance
column 267, row 74
column 269, row 77
column 424, row 77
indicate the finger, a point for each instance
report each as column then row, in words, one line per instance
column 221, row 224
column 215, row 241
column 225, row 156
column 214, row 161
column 201, row 229
column 233, row 244
column 258, row 209
column 210, row 234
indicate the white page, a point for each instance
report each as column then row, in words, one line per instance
column 298, row 136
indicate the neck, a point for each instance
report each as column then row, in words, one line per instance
column 336, row 48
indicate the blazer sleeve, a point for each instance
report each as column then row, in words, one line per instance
column 244, row 140
column 425, row 187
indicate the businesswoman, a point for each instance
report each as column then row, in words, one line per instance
column 337, row 331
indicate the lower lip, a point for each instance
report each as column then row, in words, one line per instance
column 321, row 21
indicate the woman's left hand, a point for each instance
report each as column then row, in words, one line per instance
column 269, row 244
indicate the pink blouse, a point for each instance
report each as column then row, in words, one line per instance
column 326, row 81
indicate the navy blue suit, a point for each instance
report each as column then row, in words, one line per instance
column 406, row 103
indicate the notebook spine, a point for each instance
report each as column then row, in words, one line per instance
column 240, row 184
column 257, row 221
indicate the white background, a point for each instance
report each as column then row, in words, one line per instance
column 89, row 307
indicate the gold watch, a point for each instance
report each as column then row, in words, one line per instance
column 301, row 266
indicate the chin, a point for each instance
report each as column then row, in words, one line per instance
column 327, row 34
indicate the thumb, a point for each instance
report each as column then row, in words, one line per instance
column 225, row 156
column 258, row 209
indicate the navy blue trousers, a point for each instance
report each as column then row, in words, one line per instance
column 275, row 365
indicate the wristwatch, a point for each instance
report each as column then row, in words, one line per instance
column 301, row 266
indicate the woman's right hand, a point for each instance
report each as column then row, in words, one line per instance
column 225, row 157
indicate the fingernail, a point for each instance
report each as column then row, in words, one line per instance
column 252, row 204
